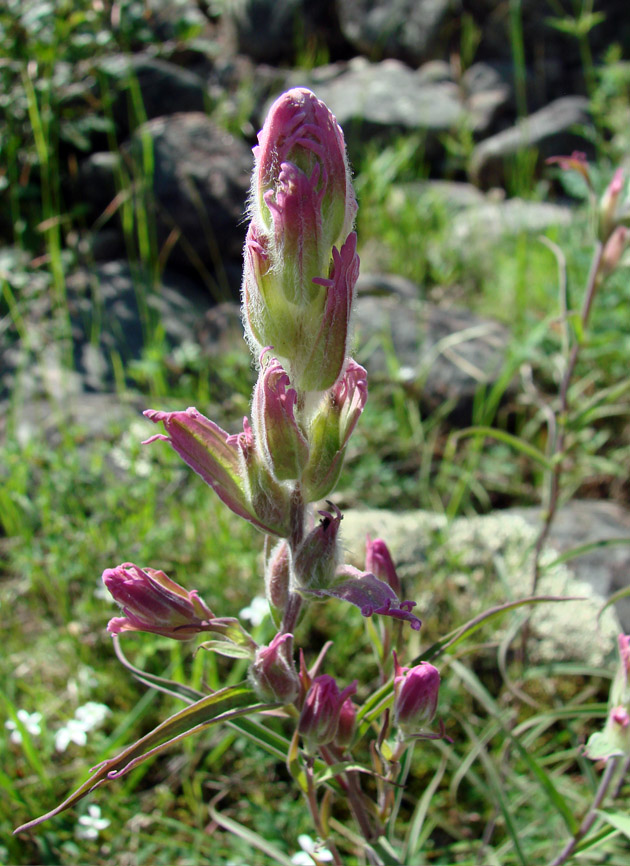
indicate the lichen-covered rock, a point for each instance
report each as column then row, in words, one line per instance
column 484, row 561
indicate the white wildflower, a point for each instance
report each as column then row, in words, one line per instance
column 90, row 825
column 310, row 851
column 256, row 610
column 92, row 714
column 72, row 732
column 31, row 722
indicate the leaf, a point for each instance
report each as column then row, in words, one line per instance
column 457, row 635
column 507, row 438
column 617, row 820
column 221, row 706
column 249, row 836
column 226, row 648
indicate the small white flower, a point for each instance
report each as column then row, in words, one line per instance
column 256, row 610
column 72, row 732
column 309, row 847
column 31, row 722
column 91, row 715
column 91, row 824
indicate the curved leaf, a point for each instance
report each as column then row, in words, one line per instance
column 221, row 706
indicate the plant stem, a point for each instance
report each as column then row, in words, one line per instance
column 591, row 815
column 558, row 440
column 311, row 799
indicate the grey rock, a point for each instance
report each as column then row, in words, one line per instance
column 489, row 557
column 98, row 415
column 200, row 185
column 109, row 308
column 487, row 222
column 113, row 302
column 388, row 98
column 444, row 355
column 556, row 129
column 409, row 30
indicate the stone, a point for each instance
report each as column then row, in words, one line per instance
column 108, row 308
column 476, row 226
column 444, row 355
column 201, row 178
column 388, row 98
column 408, row 30
column 489, row 557
column 554, row 130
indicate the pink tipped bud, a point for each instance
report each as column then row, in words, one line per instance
column 415, row 696
column 576, row 162
column 273, row 672
column 331, row 428
column 614, row 249
column 379, row 561
column 278, row 434
column 609, row 205
column 347, row 724
column 319, row 718
column 278, row 575
column 152, row 602
column 315, row 562
column 269, row 499
column 220, row 459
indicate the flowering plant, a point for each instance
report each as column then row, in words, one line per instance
column 300, row 272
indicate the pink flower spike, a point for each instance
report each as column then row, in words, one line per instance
column 368, row 593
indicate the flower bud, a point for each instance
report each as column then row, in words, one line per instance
column 609, row 205
column 273, row 672
column 278, row 575
column 278, row 435
column 346, row 725
column 614, row 249
column 415, row 696
column 331, row 428
column 379, row 561
column 319, row 718
column 228, row 464
column 269, row 499
column 315, row 562
column 152, row 602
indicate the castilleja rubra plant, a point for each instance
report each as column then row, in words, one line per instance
column 300, row 273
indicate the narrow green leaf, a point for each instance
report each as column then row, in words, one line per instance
column 507, row 438
column 225, row 648
column 220, row 706
column 457, row 635
column 250, row 837
column 617, row 820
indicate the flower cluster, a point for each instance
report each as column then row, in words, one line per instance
column 300, row 273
